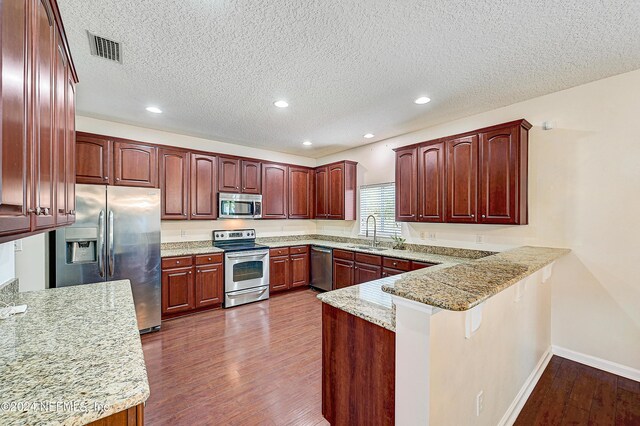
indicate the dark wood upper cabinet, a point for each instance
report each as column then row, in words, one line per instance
column 204, row 187
column 71, row 147
column 251, row 177
column 407, row 184
column 135, row 164
column 60, row 133
column 279, row 273
column 174, row 183
column 503, row 175
column 322, row 192
column 275, row 191
column 300, row 192
column 229, row 176
column 462, row 179
column 93, row 159
column 43, row 109
column 336, row 191
column 431, row 183
column 15, row 162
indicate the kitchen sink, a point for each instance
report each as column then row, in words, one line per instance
column 369, row 248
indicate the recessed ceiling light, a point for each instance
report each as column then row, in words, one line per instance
column 307, row 143
column 369, row 135
column 422, row 100
column 154, row 110
column 281, row 104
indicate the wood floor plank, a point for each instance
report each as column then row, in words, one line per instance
column 627, row 407
column 575, row 416
column 603, row 406
column 552, row 409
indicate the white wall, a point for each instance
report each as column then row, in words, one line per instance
column 584, row 193
column 198, row 230
column 7, row 262
column 31, row 263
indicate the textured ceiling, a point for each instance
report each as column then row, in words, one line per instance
column 345, row 67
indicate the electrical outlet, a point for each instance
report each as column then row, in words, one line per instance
column 479, row 239
column 183, row 233
column 479, row 403
column 17, row 245
column 432, row 235
column 423, row 235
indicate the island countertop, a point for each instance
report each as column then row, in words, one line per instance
column 73, row 357
column 456, row 285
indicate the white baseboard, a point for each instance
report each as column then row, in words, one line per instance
column 521, row 398
column 599, row 363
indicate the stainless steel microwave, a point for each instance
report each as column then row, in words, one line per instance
column 239, row 206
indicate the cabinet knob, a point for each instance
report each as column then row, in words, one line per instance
column 46, row 211
column 184, row 214
column 209, row 258
column 395, row 263
column 106, row 178
column 355, row 267
column 31, row 211
column 473, row 215
column 117, row 179
column 189, row 272
column 483, row 216
column 384, row 274
column 177, row 262
column 419, row 215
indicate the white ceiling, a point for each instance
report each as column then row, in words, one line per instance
column 347, row 68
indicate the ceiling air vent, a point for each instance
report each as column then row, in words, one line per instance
column 105, row 48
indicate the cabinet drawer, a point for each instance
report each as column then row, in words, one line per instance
column 393, row 263
column 370, row 259
column 280, row 251
column 420, row 265
column 205, row 259
column 299, row 249
column 343, row 254
column 176, row 262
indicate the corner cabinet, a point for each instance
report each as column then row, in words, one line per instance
column 38, row 120
column 475, row 177
column 336, row 187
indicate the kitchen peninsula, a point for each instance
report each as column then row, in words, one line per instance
column 73, row 358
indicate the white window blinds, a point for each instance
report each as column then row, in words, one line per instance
column 380, row 201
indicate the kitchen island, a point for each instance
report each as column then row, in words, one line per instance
column 421, row 346
column 73, row 358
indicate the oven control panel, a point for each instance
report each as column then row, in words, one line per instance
column 237, row 234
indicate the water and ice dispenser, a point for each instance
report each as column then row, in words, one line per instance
column 81, row 245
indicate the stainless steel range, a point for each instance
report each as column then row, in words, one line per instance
column 246, row 266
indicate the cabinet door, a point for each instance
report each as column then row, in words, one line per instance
column 174, row 183
column 251, row 177
column 388, row 272
column 462, row 179
column 499, row 176
column 60, row 133
column 279, row 273
column 209, row 285
column 365, row 273
column 299, row 270
column 300, row 193
column 43, row 142
column 406, row 185
column 431, row 183
column 275, row 191
column 71, row 148
column 228, row 174
column 177, row 290
column 204, row 187
column 15, row 167
column 93, row 159
column 322, row 192
column 135, row 164
column 343, row 273
column 336, row 191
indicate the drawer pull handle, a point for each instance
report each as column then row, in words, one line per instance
column 177, row 262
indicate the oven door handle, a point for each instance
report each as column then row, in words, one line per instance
column 247, row 291
column 255, row 255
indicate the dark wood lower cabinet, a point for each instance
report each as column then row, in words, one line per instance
column 191, row 284
column 343, row 273
column 133, row 416
column 365, row 273
column 288, row 268
column 358, row 370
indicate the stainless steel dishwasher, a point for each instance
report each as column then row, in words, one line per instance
column 322, row 268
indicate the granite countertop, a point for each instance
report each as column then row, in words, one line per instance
column 73, row 357
column 188, row 248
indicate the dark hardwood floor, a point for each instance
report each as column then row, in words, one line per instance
column 258, row 364
column 569, row 393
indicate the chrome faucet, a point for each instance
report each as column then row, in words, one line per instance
column 374, row 243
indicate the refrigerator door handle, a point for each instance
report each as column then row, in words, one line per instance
column 101, row 243
column 110, row 244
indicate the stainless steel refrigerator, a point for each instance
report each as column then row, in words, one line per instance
column 116, row 236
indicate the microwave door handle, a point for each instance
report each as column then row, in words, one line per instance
column 101, row 243
column 110, row 245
